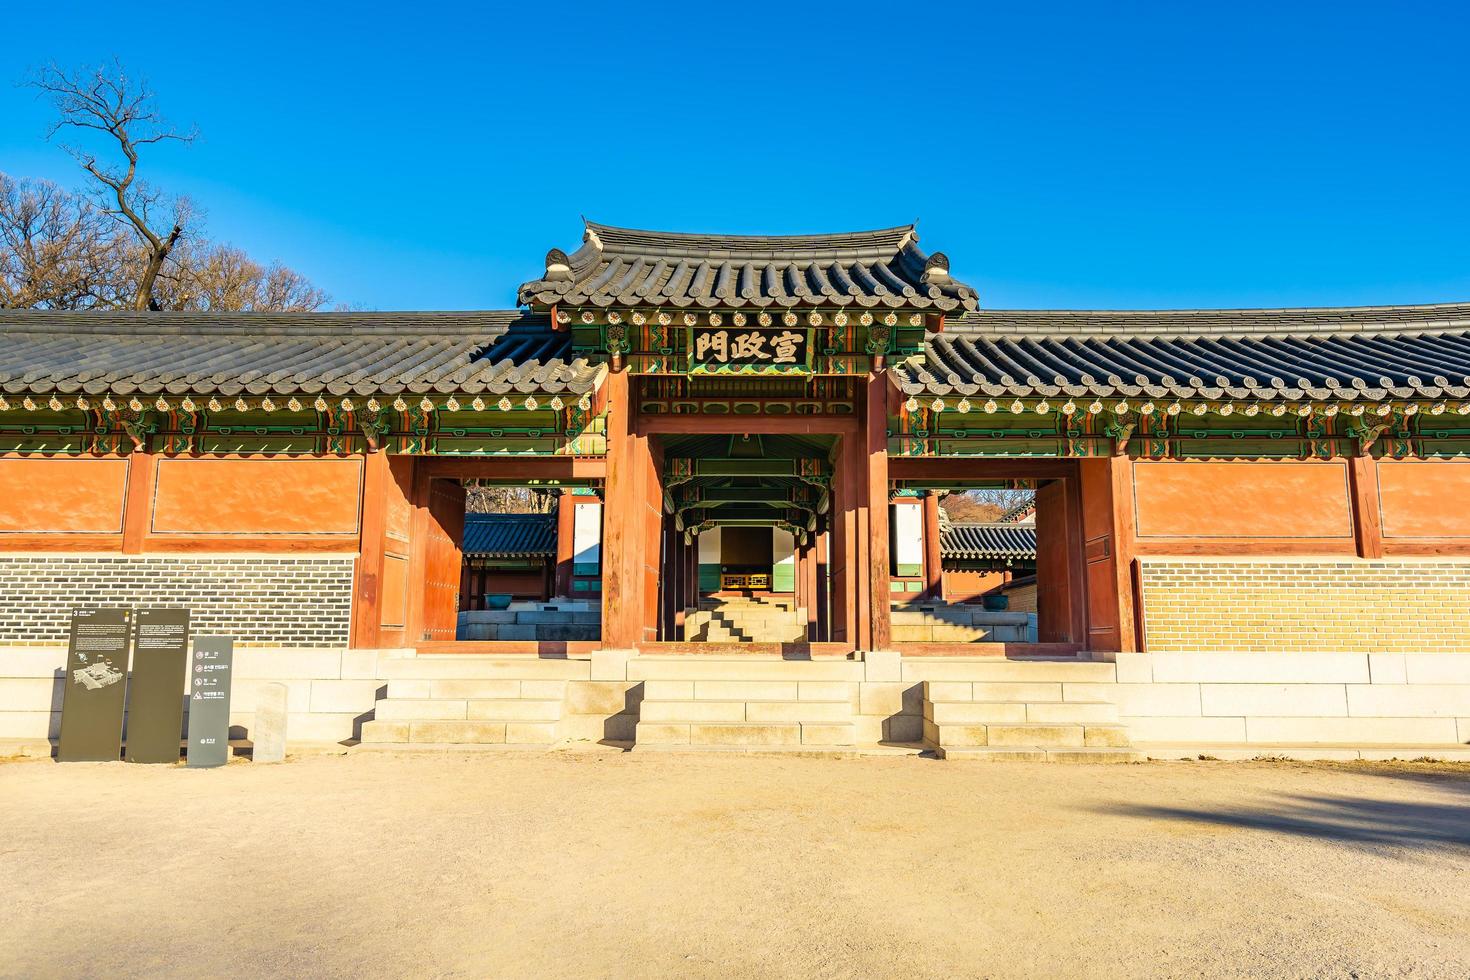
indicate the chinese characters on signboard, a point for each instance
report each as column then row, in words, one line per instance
column 713, row 346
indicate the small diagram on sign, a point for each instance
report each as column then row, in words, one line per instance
column 99, row 675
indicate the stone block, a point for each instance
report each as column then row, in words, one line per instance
column 437, row 709
column 882, row 666
column 661, row 733
column 903, row 728
column 985, row 753
column 869, row 730
column 668, row 690
column 744, row 669
column 1134, row 668
column 517, row 631
column 1072, row 712
column 318, row 727
column 472, row 689
column 458, row 732
column 530, row 733
column 745, row 733
column 409, row 689
column 1042, row 736
column 1408, row 700
column 1437, row 668
column 1463, row 725
column 886, row 699
column 32, row 661
column 385, row 731
column 243, row 694
column 359, row 665
column 1352, row 731
column 496, row 616
column 1094, row 755
column 690, row 711
column 1139, row 699
column 544, row 690
column 956, row 734
column 746, row 690
column 354, row 696
column 825, row 691
column 30, row 693
column 802, row 711
column 597, row 697
column 1016, row 692
column 1186, row 730
column 992, row 670
column 1105, row 736
column 1261, row 668
column 949, row 690
column 610, row 665
column 29, row 724
column 1282, row 700
column 568, row 633
column 268, row 728
column 1387, row 668
column 512, row 709
column 276, row 664
column 975, row 712
column 543, row 617
column 818, row 734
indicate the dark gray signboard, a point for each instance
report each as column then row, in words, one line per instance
column 210, row 669
column 96, row 680
column 156, row 694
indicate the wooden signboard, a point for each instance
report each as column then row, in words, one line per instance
column 721, row 349
column 210, row 670
column 96, row 682
column 156, row 695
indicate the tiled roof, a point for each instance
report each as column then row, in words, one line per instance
column 624, row 267
column 509, row 535
column 496, row 352
column 978, row 541
column 1350, row 353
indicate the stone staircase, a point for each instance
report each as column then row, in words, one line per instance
column 1059, row 713
column 939, row 622
column 725, row 704
column 746, row 619
column 564, row 620
column 471, row 700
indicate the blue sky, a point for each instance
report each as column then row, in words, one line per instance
column 1063, row 155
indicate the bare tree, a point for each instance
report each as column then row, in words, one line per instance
column 105, row 100
column 984, row 506
column 480, row 499
column 223, row 278
column 57, row 251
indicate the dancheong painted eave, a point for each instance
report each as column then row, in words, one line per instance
column 1333, row 354
column 498, row 352
column 622, row 267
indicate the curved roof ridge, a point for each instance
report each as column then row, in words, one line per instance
column 1277, row 321
column 642, row 240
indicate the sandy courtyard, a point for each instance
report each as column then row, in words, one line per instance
column 595, row 864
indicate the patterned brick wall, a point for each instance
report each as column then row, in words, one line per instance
column 1306, row 605
column 260, row 601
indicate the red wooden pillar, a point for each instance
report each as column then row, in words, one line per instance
column 1367, row 522
column 842, row 565
column 138, row 504
column 875, row 471
column 821, row 587
column 631, row 541
column 566, row 531
column 1106, row 485
column 933, row 559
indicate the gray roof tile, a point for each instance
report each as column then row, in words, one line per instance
column 981, row 541
column 1344, row 353
column 498, row 352
column 626, row 267
column 510, row 535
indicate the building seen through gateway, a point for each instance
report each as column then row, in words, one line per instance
column 742, row 491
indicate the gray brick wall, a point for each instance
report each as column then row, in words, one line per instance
column 262, row 601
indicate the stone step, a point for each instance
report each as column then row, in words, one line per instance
column 423, row 689
column 1032, row 753
column 1017, row 712
column 694, row 711
column 456, row 667
column 990, row 670
column 460, row 732
column 452, row 709
column 747, row 733
column 1046, row 736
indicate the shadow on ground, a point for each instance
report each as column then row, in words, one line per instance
column 1343, row 819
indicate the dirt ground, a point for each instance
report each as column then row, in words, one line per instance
column 640, row 865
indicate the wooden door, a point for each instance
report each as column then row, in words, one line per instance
column 1054, row 584
column 443, row 559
